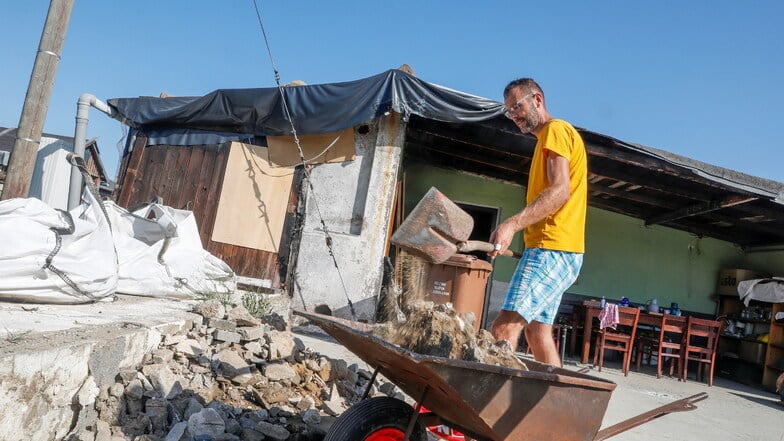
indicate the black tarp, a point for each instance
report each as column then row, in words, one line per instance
column 238, row 114
column 321, row 108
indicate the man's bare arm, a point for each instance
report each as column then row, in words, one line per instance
column 548, row 202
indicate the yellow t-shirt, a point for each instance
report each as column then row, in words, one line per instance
column 563, row 230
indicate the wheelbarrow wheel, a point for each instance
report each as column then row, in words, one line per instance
column 376, row 419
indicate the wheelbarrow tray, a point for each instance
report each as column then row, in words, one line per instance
column 483, row 401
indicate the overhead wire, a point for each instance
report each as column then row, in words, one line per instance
column 328, row 236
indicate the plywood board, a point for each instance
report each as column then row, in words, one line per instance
column 253, row 200
column 329, row 147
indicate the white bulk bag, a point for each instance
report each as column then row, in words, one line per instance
column 52, row 256
column 160, row 254
column 763, row 290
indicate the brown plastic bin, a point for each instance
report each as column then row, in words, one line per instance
column 461, row 280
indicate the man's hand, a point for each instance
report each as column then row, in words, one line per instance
column 501, row 238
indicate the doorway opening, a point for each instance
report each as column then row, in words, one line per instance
column 485, row 221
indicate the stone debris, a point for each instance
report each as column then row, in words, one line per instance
column 230, row 376
column 439, row 330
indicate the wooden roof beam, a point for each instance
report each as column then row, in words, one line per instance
column 621, row 194
column 697, row 209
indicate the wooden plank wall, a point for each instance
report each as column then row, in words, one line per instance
column 190, row 178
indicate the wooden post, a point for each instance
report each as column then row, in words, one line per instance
column 28, row 134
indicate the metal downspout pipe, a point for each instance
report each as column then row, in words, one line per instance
column 82, row 109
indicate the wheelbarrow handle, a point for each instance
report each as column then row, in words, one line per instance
column 676, row 406
column 478, row 245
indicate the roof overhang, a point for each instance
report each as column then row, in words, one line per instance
column 455, row 130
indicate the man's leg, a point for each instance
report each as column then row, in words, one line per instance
column 540, row 339
column 508, row 326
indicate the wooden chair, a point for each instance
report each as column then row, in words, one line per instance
column 646, row 343
column 668, row 345
column 699, row 345
column 621, row 340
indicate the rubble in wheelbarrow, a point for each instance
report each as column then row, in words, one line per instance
column 439, row 330
column 228, row 376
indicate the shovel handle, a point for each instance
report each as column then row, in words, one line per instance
column 478, row 245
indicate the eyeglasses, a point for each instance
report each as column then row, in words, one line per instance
column 516, row 106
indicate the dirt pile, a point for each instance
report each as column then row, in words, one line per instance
column 440, row 331
column 228, row 376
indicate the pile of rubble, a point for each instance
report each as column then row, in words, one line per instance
column 228, row 376
column 439, row 330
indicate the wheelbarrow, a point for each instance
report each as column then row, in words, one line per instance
column 484, row 402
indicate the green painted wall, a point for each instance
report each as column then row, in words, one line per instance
column 771, row 262
column 626, row 258
column 623, row 256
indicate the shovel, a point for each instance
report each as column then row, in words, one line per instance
column 437, row 228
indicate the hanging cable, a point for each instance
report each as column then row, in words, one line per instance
column 303, row 162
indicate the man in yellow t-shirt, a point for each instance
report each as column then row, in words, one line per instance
column 553, row 222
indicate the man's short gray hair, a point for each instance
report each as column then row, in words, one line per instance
column 528, row 84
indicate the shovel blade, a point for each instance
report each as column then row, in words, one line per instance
column 434, row 228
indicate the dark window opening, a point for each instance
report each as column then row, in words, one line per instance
column 485, row 220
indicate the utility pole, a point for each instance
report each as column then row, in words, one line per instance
column 39, row 90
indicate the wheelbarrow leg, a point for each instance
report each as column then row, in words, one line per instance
column 676, row 406
column 415, row 416
column 370, row 384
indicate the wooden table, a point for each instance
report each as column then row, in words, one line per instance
column 592, row 310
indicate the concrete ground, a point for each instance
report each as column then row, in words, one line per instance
column 27, row 332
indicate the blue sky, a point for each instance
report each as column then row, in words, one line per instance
column 697, row 78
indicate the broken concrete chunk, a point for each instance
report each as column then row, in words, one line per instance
column 333, row 408
column 126, row 375
column 279, row 371
column 162, row 355
column 155, row 409
column 281, row 344
column 234, row 367
column 103, row 432
column 169, row 339
column 253, row 346
column 210, row 309
column 272, row 394
column 189, row 347
column 311, row 417
column 251, row 333
column 224, row 325
column 226, row 336
column 116, row 390
column 163, row 379
column 313, row 365
column 388, row 389
column 242, row 317
column 251, row 434
column 177, row 432
column 206, row 422
column 333, row 369
column 307, row 402
column 273, row 432
column 134, row 389
column 88, row 392
column 194, row 406
column 283, row 411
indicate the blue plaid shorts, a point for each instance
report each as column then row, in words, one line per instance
column 541, row 278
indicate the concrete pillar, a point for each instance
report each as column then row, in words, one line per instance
column 367, row 182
